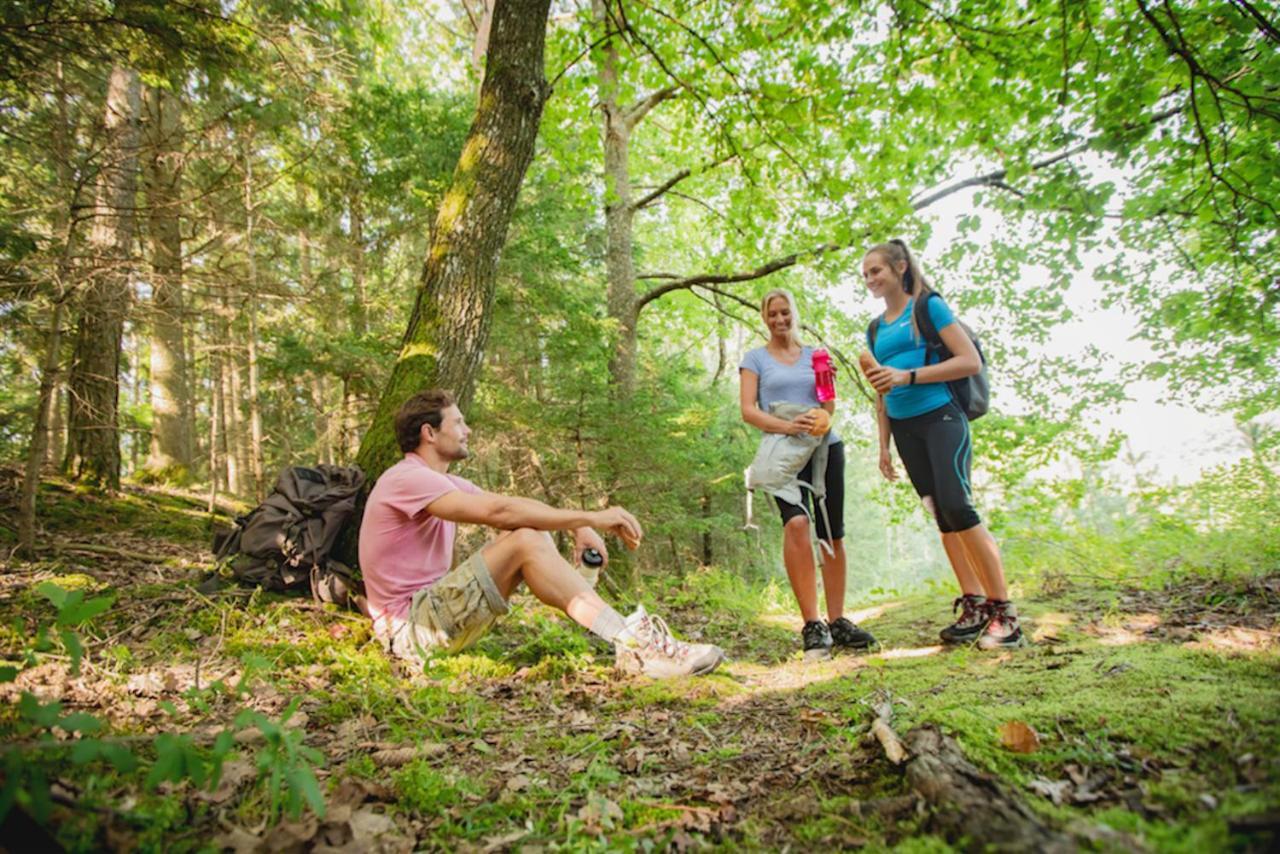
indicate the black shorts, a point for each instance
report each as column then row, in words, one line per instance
column 937, row 453
column 835, row 495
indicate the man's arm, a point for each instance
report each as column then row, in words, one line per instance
column 508, row 512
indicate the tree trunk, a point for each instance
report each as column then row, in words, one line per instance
column 619, row 215
column 970, row 805
column 449, row 327
column 93, row 454
column 171, row 440
column 46, row 430
column 255, row 404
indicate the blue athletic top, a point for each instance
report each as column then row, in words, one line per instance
column 781, row 383
column 898, row 347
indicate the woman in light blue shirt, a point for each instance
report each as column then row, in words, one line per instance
column 782, row 372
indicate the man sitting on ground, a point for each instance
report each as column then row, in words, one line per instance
column 406, row 545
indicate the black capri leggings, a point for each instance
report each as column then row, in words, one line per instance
column 835, row 495
column 936, row 450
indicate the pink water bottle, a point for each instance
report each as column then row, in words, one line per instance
column 824, row 379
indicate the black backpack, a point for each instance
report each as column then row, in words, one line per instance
column 285, row 543
column 972, row 393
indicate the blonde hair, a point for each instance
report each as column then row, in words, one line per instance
column 791, row 304
column 913, row 281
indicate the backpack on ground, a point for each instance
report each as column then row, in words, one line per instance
column 971, row 393
column 285, row 543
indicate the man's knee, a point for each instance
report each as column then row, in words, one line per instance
column 529, row 540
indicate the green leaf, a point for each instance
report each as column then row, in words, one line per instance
column 71, row 642
column 82, row 722
column 303, row 781
column 76, row 613
column 53, row 593
column 8, row 673
column 40, row 714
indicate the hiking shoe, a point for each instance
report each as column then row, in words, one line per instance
column 973, row 619
column 647, row 646
column 847, row 634
column 1002, row 631
column 817, row 640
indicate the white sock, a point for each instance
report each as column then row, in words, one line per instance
column 608, row 624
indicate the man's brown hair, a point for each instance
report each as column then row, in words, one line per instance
column 425, row 407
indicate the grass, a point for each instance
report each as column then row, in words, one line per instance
column 1163, row 729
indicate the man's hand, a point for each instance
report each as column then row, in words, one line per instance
column 620, row 523
column 587, row 538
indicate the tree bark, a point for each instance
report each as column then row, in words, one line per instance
column 444, row 343
column 45, row 431
column 251, row 303
column 171, row 440
column 619, row 215
column 969, row 804
column 93, row 455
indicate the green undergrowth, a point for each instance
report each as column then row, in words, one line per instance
column 1156, row 710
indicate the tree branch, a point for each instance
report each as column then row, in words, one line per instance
column 676, row 179
column 995, row 178
column 632, row 115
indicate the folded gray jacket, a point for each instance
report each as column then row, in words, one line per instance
column 779, row 459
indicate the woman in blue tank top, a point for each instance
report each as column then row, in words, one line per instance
column 782, row 372
column 931, row 433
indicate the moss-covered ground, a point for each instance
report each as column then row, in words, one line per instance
column 1156, row 712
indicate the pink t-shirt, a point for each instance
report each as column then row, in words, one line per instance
column 403, row 548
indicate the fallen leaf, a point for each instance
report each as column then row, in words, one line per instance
column 1019, row 737
column 235, row 772
column 1054, row 791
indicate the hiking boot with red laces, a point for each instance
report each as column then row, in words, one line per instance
column 973, row 619
column 1002, row 631
column 848, row 635
column 646, row 646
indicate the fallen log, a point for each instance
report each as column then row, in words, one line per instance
column 971, row 805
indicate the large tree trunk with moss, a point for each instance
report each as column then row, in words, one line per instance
column 171, row 437
column 93, row 453
column 450, row 323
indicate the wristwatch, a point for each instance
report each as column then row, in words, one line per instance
column 913, row 377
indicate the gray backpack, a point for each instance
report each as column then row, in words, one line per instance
column 285, row 543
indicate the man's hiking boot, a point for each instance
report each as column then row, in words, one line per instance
column 847, row 635
column 646, row 646
column 1002, row 631
column 817, row 640
column 973, row 619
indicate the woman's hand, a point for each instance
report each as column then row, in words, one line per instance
column 883, row 379
column 886, row 465
column 802, row 423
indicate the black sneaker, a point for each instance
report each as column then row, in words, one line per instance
column 817, row 640
column 973, row 619
column 847, row 634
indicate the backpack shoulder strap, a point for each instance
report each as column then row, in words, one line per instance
column 925, row 323
column 872, row 328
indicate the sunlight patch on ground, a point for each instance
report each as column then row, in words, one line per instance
column 790, row 675
column 791, row 622
column 910, row 652
column 1235, row 639
column 1136, row 628
column 1048, row 625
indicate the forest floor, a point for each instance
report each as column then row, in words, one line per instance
column 1142, row 718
